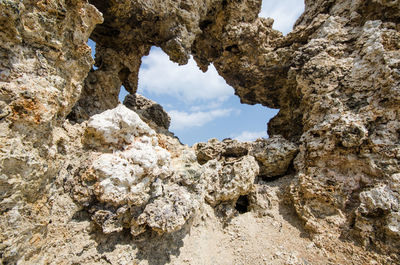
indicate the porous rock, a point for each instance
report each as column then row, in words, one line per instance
column 274, row 155
column 215, row 149
column 116, row 128
column 227, row 180
column 131, row 184
column 149, row 110
column 170, row 211
column 40, row 44
column 383, row 203
column 334, row 78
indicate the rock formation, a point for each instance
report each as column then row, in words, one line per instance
column 84, row 180
column 149, row 111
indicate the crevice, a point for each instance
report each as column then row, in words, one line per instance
column 269, row 178
column 242, row 204
column 204, row 24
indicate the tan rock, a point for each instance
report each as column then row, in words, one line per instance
column 67, row 195
column 274, row 155
column 149, row 110
column 226, row 181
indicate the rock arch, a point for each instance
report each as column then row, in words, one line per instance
column 335, row 79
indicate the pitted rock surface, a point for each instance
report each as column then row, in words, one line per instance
column 72, row 184
column 149, row 110
column 129, row 185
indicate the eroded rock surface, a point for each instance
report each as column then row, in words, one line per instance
column 149, row 110
column 72, row 187
column 274, row 155
column 129, row 187
column 227, row 180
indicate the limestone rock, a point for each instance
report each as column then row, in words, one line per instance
column 274, row 155
column 131, row 185
column 169, row 211
column 215, row 149
column 40, row 45
column 116, row 128
column 393, row 225
column 378, row 200
column 226, row 181
column 149, row 110
column 335, row 79
column 381, row 203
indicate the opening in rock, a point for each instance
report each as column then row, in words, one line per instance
column 122, row 94
column 284, row 12
column 269, row 178
column 201, row 105
column 92, row 45
column 242, row 204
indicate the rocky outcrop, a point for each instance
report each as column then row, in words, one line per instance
column 274, row 155
column 149, row 110
column 78, row 170
column 41, row 43
column 227, row 181
column 130, row 188
column 381, row 201
column 44, row 61
column 142, row 185
column 335, row 79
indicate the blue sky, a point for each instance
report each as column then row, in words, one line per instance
column 202, row 105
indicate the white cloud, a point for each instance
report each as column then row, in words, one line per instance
column 209, row 106
column 284, row 12
column 159, row 76
column 247, row 136
column 183, row 120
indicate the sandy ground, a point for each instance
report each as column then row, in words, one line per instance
column 275, row 237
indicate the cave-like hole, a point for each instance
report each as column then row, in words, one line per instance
column 284, row 12
column 269, row 178
column 242, row 204
column 201, row 105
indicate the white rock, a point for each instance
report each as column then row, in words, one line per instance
column 124, row 177
column 118, row 126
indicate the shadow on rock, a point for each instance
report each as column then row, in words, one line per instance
column 154, row 248
column 286, row 208
column 158, row 249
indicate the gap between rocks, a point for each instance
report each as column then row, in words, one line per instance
column 201, row 105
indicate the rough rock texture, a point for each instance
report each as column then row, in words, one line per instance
column 274, row 155
column 149, row 110
column 106, row 188
column 233, row 171
column 382, row 201
column 44, row 60
column 336, row 80
column 41, row 42
column 215, row 149
column 129, row 187
column 227, row 180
